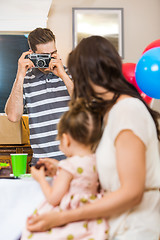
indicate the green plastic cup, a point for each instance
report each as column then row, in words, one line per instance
column 19, row 163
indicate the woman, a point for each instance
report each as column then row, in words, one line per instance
column 128, row 160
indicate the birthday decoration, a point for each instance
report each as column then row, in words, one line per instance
column 128, row 70
column 145, row 75
column 153, row 44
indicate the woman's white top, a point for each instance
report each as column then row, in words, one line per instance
column 142, row 222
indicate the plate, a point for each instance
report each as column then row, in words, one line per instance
column 27, row 175
column 8, row 177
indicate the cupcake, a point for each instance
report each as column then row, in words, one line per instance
column 5, row 169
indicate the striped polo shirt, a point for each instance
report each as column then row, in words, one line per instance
column 46, row 99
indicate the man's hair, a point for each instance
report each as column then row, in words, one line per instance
column 40, row 36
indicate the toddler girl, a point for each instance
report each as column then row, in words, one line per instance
column 76, row 181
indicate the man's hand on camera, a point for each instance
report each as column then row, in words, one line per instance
column 24, row 64
column 56, row 66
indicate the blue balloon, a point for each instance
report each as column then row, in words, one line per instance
column 147, row 73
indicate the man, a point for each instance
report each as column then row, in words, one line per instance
column 44, row 91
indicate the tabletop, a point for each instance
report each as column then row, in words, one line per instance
column 18, row 200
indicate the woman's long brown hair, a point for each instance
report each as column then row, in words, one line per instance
column 96, row 60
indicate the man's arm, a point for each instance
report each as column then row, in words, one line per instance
column 14, row 105
column 68, row 82
column 56, row 66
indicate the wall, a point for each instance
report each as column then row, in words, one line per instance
column 141, row 23
column 23, row 15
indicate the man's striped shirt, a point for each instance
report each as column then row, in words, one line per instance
column 46, row 99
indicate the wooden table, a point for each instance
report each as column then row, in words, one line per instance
column 6, row 150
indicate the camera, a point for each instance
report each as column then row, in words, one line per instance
column 40, row 60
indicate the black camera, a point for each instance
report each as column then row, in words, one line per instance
column 40, row 60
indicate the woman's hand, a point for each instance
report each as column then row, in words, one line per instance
column 51, row 165
column 44, row 222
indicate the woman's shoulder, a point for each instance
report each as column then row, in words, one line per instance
column 131, row 114
column 129, row 106
column 129, row 102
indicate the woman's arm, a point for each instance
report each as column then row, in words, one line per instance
column 61, row 184
column 130, row 154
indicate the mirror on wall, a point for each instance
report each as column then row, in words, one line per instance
column 106, row 22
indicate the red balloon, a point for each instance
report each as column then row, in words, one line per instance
column 128, row 70
column 146, row 98
column 153, row 44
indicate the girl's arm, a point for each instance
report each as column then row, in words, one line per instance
column 61, row 184
column 130, row 154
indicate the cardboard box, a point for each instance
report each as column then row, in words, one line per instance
column 14, row 133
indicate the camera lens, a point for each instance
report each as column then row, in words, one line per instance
column 40, row 63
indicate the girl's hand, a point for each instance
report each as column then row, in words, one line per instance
column 44, row 222
column 38, row 174
column 51, row 165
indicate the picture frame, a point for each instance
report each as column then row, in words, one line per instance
column 106, row 22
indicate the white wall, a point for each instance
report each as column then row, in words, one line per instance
column 141, row 20
column 141, row 23
column 23, row 15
